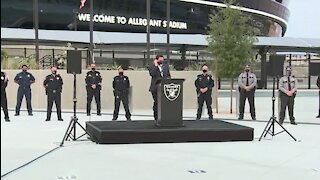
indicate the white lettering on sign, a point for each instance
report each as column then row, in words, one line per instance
column 134, row 21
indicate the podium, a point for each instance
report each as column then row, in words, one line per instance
column 170, row 102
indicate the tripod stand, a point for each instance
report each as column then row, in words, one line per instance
column 71, row 131
column 269, row 129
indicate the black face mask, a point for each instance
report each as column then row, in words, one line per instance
column 121, row 73
column 24, row 70
column 93, row 69
column 204, row 71
column 247, row 70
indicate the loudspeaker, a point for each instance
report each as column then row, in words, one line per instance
column 275, row 65
column 314, row 69
column 74, row 61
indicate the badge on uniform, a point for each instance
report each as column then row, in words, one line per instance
column 97, row 74
column 124, row 79
column 57, row 78
column 89, row 75
column 208, row 77
column 28, row 75
column 2, row 77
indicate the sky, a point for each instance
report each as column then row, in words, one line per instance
column 304, row 21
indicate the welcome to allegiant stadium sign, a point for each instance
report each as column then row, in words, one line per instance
column 131, row 21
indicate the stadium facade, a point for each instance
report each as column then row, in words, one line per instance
column 187, row 16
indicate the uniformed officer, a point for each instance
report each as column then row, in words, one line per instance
column 24, row 79
column 247, row 82
column 288, row 89
column 93, row 86
column 53, row 85
column 318, row 84
column 159, row 69
column 4, row 104
column 204, row 84
column 121, row 85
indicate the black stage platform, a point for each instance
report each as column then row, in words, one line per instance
column 122, row 132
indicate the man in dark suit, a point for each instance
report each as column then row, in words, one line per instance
column 158, row 70
column 318, row 84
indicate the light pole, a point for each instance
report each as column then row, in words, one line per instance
column 36, row 27
column 168, row 31
column 91, row 33
column 148, row 30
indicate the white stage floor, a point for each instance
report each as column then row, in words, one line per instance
column 25, row 138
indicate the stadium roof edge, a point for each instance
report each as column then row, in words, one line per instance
column 279, row 44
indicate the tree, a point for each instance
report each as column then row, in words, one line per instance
column 230, row 40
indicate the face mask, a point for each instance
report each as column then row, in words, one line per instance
column 121, row 73
column 204, row 71
column 93, row 69
column 247, row 70
column 24, row 70
column 289, row 73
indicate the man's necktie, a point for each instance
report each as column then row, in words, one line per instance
column 161, row 70
column 289, row 84
column 247, row 84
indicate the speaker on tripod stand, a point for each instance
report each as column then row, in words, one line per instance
column 73, row 67
column 270, row 127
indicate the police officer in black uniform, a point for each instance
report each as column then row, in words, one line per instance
column 121, row 85
column 247, row 83
column 288, row 85
column 93, row 86
column 204, row 84
column 159, row 69
column 24, row 79
column 4, row 104
column 318, row 84
column 53, row 85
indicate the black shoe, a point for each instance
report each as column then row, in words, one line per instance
column 47, row 119
column 128, row 119
column 7, row 119
column 318, row 116
column 210, row 118
column 293, row 123
column 98, row 114
column 30, row 114
column 240, row 118
column 60, row 119
column 16, row 114
column 114, row 119
column 254, row 118
column 88, row 114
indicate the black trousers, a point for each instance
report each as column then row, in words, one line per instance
column 319, row 103
column 4, row 104
column 155, row 104
column 244, row 95
column 204, row 97
column 54, row 98
column 286, row 101
column 23, row 91
column 117, row 99
column 96, row 94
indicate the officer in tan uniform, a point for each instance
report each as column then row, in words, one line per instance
column 288, row 89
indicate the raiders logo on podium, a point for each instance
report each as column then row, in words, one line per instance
column 171, row 91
